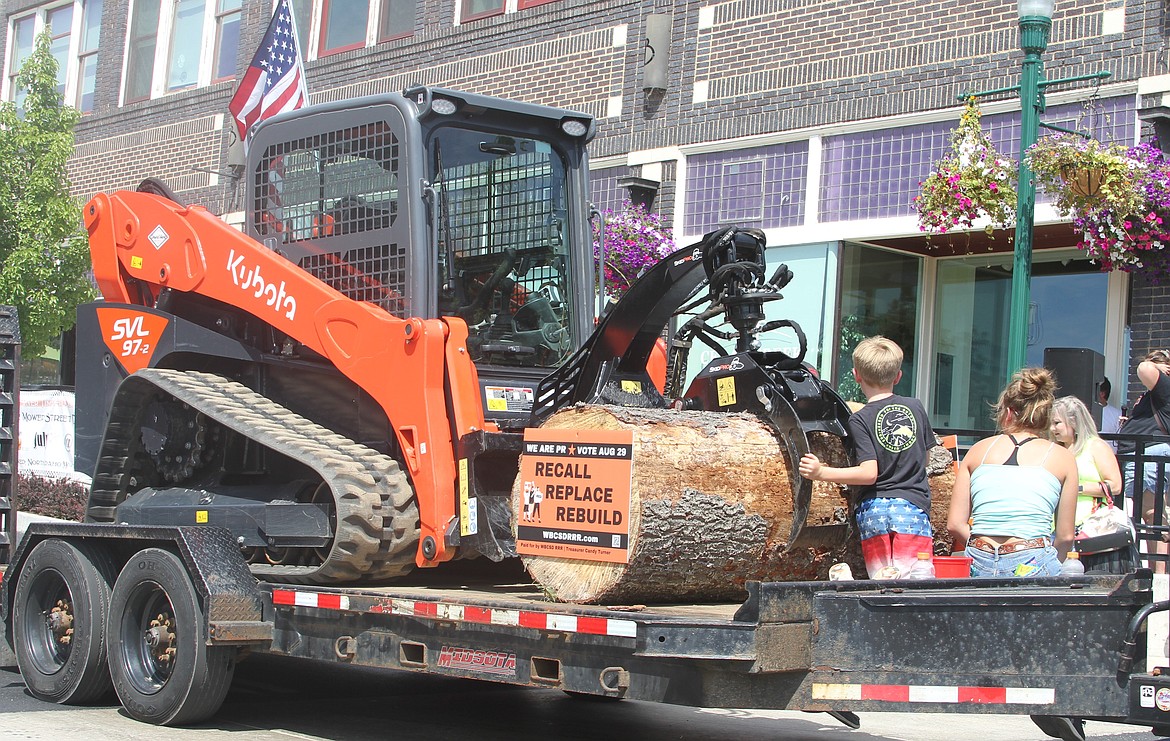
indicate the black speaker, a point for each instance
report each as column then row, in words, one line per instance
column 1078, row 372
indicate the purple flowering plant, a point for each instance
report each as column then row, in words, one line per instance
column 1125, row 222
column 635, row 239
column 972, row 182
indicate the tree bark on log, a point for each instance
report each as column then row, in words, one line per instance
column 710, row 509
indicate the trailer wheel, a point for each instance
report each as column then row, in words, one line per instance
column 61, row 605
column 162, row 669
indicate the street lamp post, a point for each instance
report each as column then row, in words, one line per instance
column 1035, row 24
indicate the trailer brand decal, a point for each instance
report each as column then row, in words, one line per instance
column 929, row 693
column 454, row 613
column 1162, row 699
column 249, row 279
column 476, row 660
column 576, row 494
column 131, row 335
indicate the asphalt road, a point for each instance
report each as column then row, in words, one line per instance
column 275, row 699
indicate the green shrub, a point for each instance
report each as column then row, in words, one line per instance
column 58, row 498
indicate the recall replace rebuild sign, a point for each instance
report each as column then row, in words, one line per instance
column 576, row 495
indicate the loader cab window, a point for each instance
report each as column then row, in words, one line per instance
column 330, row 202
column 502, row 244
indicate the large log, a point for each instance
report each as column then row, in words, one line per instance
column 711, row 507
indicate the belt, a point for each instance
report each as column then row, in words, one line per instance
column 983, row 544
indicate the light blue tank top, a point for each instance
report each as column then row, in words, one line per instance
column 1013, row 500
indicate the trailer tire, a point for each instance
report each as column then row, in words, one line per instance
column 60, row 609
column 162, row 668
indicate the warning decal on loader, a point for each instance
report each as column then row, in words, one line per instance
column 576, row 494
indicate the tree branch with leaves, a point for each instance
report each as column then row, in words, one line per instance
column 44, row 254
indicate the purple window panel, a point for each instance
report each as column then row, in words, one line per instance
column 876, row 174
column 604, row 191
column 761, row 187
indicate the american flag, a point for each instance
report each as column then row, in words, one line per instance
column 275, row 80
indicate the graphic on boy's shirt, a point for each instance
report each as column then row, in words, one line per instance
column 896, row 428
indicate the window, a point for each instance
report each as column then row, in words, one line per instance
column 186, row 38
column 73, row 41
column 22, row 48
column 879, row 295
column 140, row 49
column 180, row 44
column 471, row 10
column 397, row 19
column 87, row 54
column 327, row 27
column 343, row 25
column 227, row 39
column 60, row 22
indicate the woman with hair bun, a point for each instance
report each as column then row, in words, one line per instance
column 1010, row 487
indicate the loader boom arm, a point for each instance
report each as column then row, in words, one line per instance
column 141, row 243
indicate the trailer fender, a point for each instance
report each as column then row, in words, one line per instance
column 229, row 596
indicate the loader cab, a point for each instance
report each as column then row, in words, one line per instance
column 437, row 203
column 510, row 234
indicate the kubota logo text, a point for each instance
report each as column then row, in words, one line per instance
column 249, row 279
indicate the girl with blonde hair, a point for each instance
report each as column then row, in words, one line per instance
column 1098, row 474
column 1010, row 486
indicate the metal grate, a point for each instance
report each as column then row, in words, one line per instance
column 376, row 275
column 327, row 185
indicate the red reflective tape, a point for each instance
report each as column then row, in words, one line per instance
column 329, row 601
column 886, row 692
column 426, row 609
column 282, row 597
column 996, row 695
column 477, row 614
column 533, row 620
column 593, row 625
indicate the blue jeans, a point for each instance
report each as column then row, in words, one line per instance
column 1031, row 562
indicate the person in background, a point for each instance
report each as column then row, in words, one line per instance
column 1150, row 416
column 1009, row 487
column 892, row 435
column 1098, row 474
column 1110, row 415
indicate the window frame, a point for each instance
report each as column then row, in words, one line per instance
column 209, row 50
column 82, row 55
column 465, row 17
column 526, row 4
column 73, row 57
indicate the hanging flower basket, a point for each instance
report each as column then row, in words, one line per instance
column 634, row 240
column 1084, row 182
column 1121, row 209
column 1059, row 162
column 973, row 182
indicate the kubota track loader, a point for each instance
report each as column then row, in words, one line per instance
column 342, row 385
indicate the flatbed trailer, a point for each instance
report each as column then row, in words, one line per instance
column 1049, row 648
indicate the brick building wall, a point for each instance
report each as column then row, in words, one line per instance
column 736, row 69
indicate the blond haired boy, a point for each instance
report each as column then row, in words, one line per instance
column 891, row 436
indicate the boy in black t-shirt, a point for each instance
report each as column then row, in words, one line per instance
column 892, row 437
